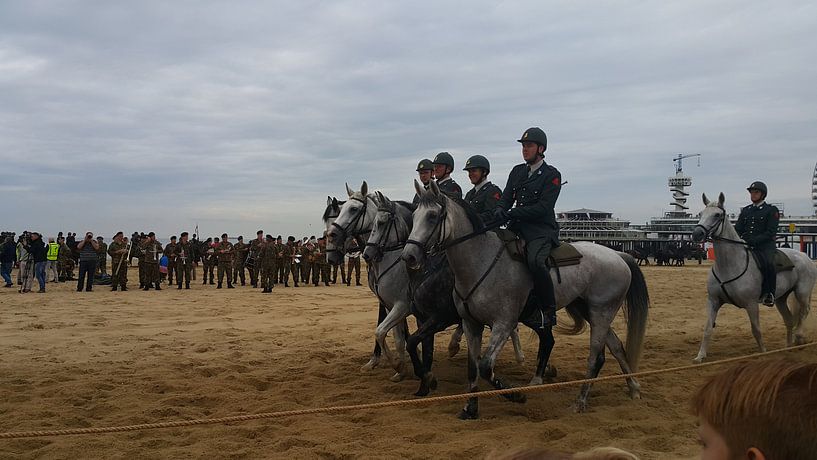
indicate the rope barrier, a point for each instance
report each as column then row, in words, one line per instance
column 380, row 405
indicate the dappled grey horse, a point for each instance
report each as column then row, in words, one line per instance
column 735, row 278
column 430, row 291
column 493, row 289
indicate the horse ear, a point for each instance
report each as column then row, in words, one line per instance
column 418, row 188
column 328, row 201
column 433, row 187
column 383, row 198
column 334, row 202
column 376, row 198
column 706, row 200
column 364, row 189
column 349, row 191
column 721, row 199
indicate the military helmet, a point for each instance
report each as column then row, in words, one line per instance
column 535, row 135
column 477, row 161
column 425, row 165
column 444, row 158
column 759, row 186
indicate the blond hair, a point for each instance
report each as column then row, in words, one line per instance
column 769, row 404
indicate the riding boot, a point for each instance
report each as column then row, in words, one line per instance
column 546, row 297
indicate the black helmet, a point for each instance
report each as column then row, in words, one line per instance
column 759, row 186
column 535, row 135
column 444, row 158
column 425, row 165
column 477, row 161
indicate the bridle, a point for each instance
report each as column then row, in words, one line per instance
column 709, row 233
column 346, row 230
column 439, row 229
column 382, row 243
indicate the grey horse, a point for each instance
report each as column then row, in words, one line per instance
column 735, row 279
column 356, row 217
column 493, row 289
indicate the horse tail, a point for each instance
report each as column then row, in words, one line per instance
column 578, row 313
column 637, row 308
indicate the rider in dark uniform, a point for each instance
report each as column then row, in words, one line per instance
column 534, row 186
column 485, row 195
column 443, row 167
column 425, row 169
column 757, row 225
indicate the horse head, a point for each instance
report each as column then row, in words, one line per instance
column 712, row 219
column 429, row 225
column 354, row 219
column 390, row 229
column 329, row 215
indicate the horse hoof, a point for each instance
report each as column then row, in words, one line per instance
column 550, row 372
column 453, row 349
column 422, row 391
column 520, row 358
column 635, row 394
column 368, row 367
column 535, row 381
column 799, row 340
column 697, row 360
column 581, row 406
column 397, row 377
column 467, row 415
column 519, row 398
column 432, row 383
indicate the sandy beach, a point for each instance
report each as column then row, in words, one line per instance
column 109, row 358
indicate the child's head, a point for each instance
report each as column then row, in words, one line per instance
column 759, row 410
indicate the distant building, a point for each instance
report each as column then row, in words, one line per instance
column 597, row 226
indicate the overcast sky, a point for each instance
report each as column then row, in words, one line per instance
column 244, row 115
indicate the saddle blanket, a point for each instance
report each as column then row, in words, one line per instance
column 561, row 256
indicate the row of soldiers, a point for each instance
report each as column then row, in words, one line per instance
column 268, row 260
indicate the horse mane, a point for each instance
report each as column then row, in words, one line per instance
column 473, row 217
column 331, row 208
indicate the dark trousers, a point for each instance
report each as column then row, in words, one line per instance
column 183, row 274
column 353, row 264
column 765, row 261
column 5, row 271
column 87, row 268
column 538, row 252
column 39, row 272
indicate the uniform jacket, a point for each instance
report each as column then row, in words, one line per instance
column 535, row 197
column 484, row 201
column 184, row 254
column 151, row 251
column 170, row 251
column 449, row 186
column 757, row 225
column 227, row 255
column 113, row 248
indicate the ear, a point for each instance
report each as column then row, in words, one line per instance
column 755, row 454
column 433, row 187
column 334, row 202
column 706, row 200
column 381, row 197
column 376, row 198
column 418, row 188
column 328, row 201
column 364, row 189
column 721, row 199
column 349, row 191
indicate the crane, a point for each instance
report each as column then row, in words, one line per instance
column 678, row 165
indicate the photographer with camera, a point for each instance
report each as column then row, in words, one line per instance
column 88, row 258
column 36, row 250
column 8, row 255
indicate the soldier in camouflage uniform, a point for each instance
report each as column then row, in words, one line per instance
column 322, row 263
column 290, row 249
column 279, row 259
column 208, row 260
column 443, row 167
column 240, row 251
column 308, row 263
column 151, row 250
column 139, row 253
column 118, row 250
column 485, row 195
column 266, row 263
column 65, row 263
column 102, row 256
column 224, row 253
column 255, row 249
column 170, row 253
column 353, row 263
column 184, row 261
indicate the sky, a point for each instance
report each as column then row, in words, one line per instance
column 238, row 116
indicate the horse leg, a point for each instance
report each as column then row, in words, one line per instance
column 517, row 346
column 397, row 315
column 422, row 369
column 754, row 317
column 454, row 343
column 473, row 335
column 782, row 305
column 400, row 335
column 617, row 349
column 595, row 361
column 546, row 342
column 375, row 358
column 803, row 296
column 714, row 305
column 499, row 335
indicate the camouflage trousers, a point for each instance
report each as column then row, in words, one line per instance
column 151, row 272
column 320, row 273
column 353, row 264
column 342, row 273
column 306, row 269
column 119, row 278
column 100, row 265
column 183, row 272
column 225, row 268
column 171, row 270
column 238, row 273
column 268, row 273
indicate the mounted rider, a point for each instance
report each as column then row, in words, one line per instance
column 485, row 195
column 534, row 187
column 757, row 225
column 425, row 169
column 443, row 167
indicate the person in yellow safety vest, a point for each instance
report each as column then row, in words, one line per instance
column 51, row 260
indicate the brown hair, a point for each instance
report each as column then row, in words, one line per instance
column 599, row 453
column 769, row 404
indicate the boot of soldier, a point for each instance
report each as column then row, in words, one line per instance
column 230, row 286
column 158, row 287
column 147, row 287
column 543, row 287
column 187, row 285
column 768, row 299
column 204, row 282
column 219, row 286
column 124, row 288
column 179, row 285
column 113, row 289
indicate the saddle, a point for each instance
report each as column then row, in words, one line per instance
column 561, row 256
column 782, row 263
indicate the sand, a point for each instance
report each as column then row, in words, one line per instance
column 99, row 359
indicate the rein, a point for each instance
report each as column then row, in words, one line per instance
column 361, row 216
column 709, row 235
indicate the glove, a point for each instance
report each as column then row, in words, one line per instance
column 501, row 215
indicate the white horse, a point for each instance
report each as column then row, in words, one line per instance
column 735, row 279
